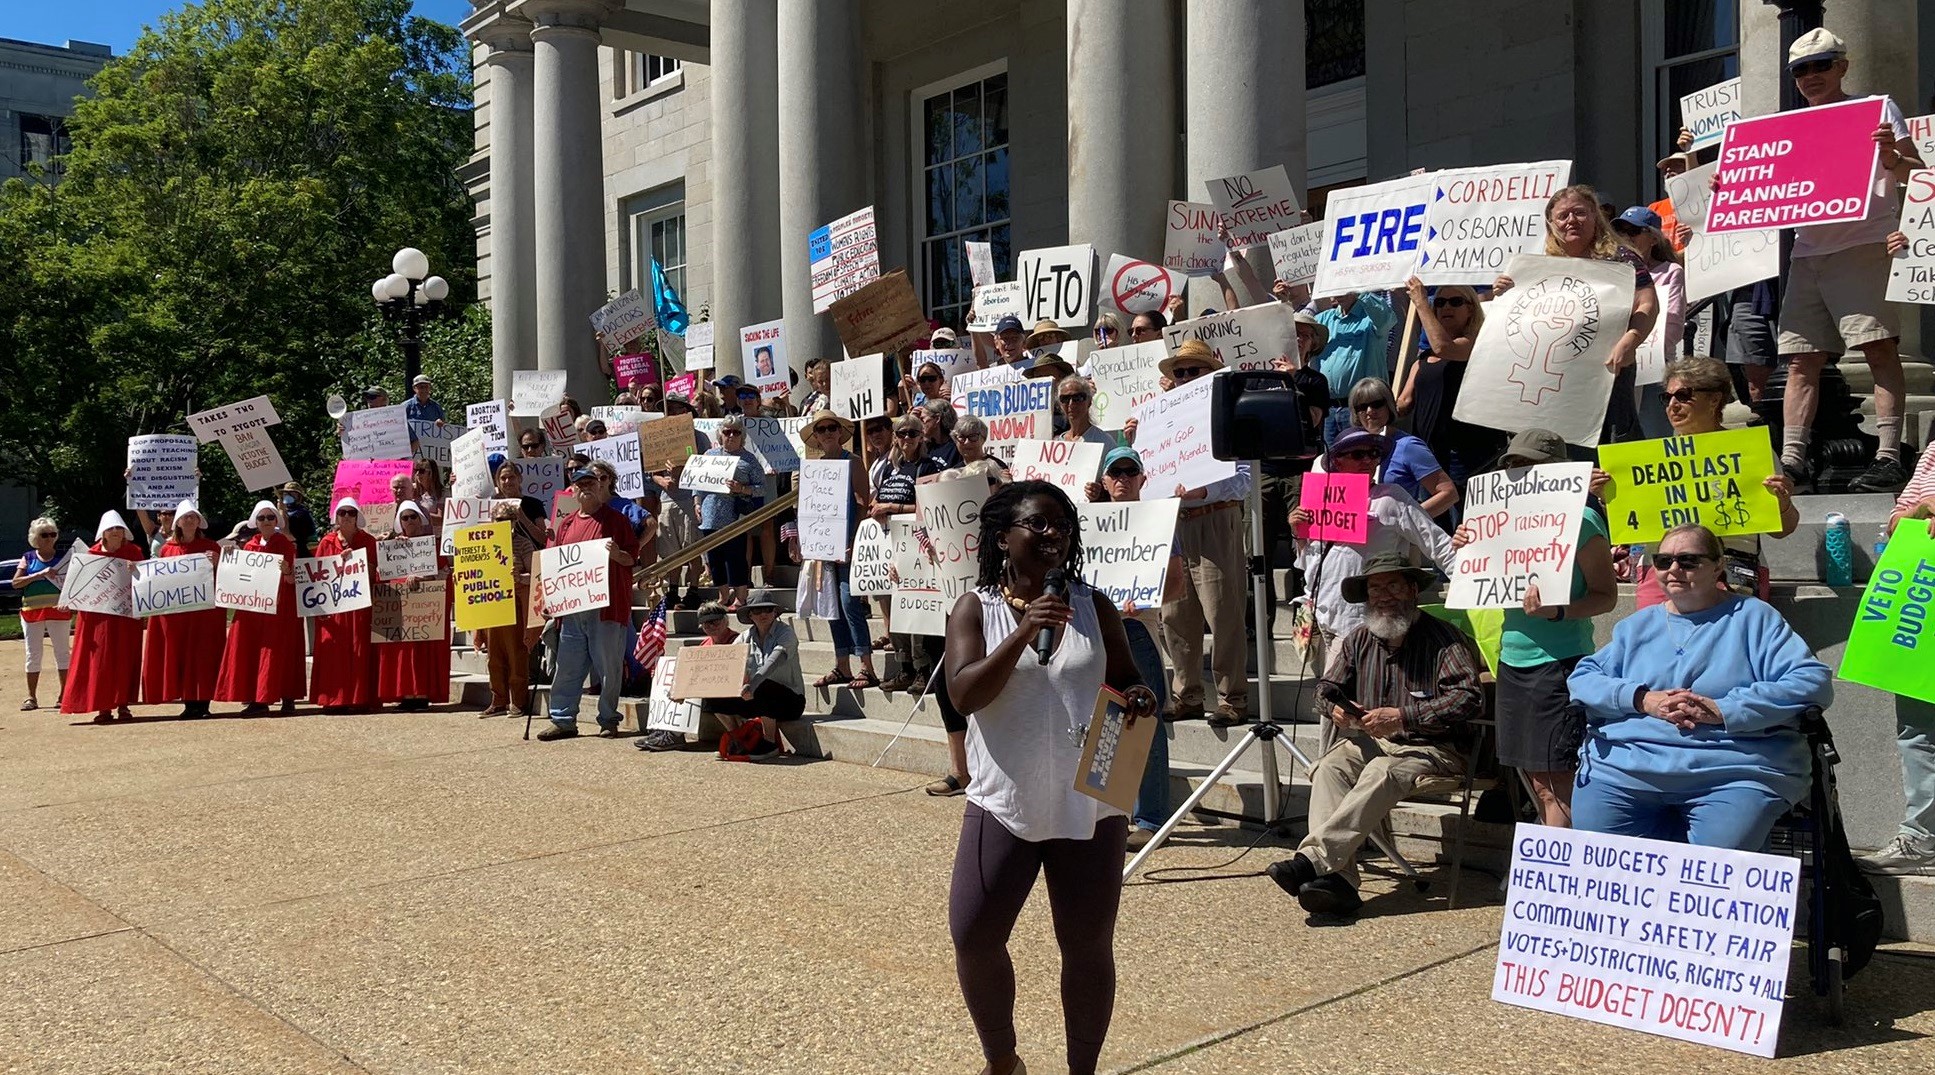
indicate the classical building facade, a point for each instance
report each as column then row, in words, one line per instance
column 38, row 84
column 715, row 136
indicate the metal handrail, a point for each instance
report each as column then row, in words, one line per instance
column 652, row 577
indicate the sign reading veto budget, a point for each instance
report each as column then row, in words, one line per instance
column 1793, row 169
column 1713, row 479
column 1884, row 642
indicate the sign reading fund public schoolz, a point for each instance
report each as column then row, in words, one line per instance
column 1793, row 169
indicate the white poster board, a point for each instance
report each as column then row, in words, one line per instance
column 535, row 391
column 1133, row 287
column 1373, row 236
column 858, row 387
column 433, row 440
column 622, row 452
column 1256, row 204
column 1478, row 218
column 1540, row 360
column 161, row 471
column 709, row 473
column 1251, row 338
column 168, row 584
column 1671, row 939
column 919, row 608
column 992, row 302
column 871, row 569
column 624, row 319
column 951, row 360
column 1126, row 548
column 1057, row 284
column 406, row 557
column 662, row 713
column 1525, row 529
column 980, row 259
column 327, row 585
column 470, row 465
column 249, row 581
column 698, row 346
column 762, row 349
column 256, row 459
column 1707, row 112
column 1015, row 407
column 1716, row 264
column 843, row 257
column 1172, row 436
column 1069, row 464
column 218, row 423
column 1192, row 244
column 574, row 578
column 950, row 515
column 377, row 433
column 1125, row 378
column 826, row 499
column 1294, row 252
column 97, row 584
column 490, row 418
column 1911, row 277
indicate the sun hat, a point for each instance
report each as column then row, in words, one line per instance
column 1316, row 326
column 758, row 599
column 1535, row 446
column 1385, row 563
column 1190, row 351
column 1354, row 438
column 1044, row 333
column 1816, row 44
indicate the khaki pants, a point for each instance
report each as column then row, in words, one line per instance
column 1353, row 789
column 509, row 659
column 1211, row 546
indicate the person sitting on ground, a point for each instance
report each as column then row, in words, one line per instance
column 775, row 691
column 715, row 625
column 1693, row 711
column 1398, row 690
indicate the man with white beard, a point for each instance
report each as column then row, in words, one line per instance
column 1399, row 689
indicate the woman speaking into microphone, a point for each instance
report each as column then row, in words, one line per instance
column 1028, row 652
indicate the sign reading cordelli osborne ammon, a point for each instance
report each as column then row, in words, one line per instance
column 1478, row 218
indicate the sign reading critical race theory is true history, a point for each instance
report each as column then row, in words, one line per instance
column 1884, row 645
column 1713, row 479
column 1524, row 527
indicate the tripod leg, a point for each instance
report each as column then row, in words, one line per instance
column 1222, row 769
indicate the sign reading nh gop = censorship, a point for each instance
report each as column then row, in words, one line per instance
column 1884, row 643
column 1713, row 479
column 1255, row 205
column 1374, row 236
column 249, row 581
column 1524, row 527
column 1685, row 942
column 1912, row 276
column 1138, row 287
column 845, row 255
column 1057, row 284
column 1478, row 218
column 1791, row 169
column 1707, row 113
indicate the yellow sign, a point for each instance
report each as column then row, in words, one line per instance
column 482, row 572
column 1713, row 479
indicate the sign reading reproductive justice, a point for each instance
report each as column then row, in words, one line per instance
column 1713, row 479
column 1884, row 644
column 1684, row 942
column 1792, row 169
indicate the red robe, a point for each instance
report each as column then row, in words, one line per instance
column 105, row 672
column 417, row 669
column 263, row 661
column 344, row 672
column 183, row 655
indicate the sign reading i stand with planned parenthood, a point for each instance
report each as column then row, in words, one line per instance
column 845, row 257
column 1792, row 169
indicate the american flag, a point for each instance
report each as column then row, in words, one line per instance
column 651, row 639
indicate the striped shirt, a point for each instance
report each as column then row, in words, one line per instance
column 1431, row 677
column 1919, row 488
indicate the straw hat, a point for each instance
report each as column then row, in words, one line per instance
column 1190, row 351
column 1044, row 333
column 825, row 415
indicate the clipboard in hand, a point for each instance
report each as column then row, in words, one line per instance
column 1114, row 752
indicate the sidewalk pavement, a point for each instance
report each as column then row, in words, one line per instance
column 427, row 893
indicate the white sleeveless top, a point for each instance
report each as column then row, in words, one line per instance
column 1024, row 748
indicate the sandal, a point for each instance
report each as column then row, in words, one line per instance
column 29, row 706
column 946, row 787
column 829, row 680
column 863, row 681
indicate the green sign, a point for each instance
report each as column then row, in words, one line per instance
column 1884, row 644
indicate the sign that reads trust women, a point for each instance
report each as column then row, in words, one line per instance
column 1793, row 169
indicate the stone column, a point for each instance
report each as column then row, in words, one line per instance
column 822, row 154
column 513, row 252
column 1121, row 118
column 569, row 190
column 746, row 267
column 1763, row 59
column 1246, row 100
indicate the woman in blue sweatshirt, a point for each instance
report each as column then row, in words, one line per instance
column 1694, row 711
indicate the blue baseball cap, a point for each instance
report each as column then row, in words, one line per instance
column 1640, row 217
column 1118, row 454
column 1010, row 323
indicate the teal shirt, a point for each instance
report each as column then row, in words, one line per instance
column 1530, row 641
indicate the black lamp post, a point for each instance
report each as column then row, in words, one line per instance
column 405, row 296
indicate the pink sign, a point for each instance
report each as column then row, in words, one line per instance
column 366, row 480
column 1341, row 504
column 631, row 371
column 1793, row 169
column 685, row 384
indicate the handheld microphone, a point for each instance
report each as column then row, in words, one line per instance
column 1054, row 585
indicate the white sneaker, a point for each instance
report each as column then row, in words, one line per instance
column 1900, row 858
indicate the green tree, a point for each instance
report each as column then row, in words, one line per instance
column 236, row 182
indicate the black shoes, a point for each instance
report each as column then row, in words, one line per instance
column 1884, row 475
column 1329, row 894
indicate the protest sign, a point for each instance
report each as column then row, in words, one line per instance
column 1540, row 360
column 1479, row 217
column 882, row 316
column 535, row 391
column 1138, row 287
column 564, row 503
column 1341, row 506
column 459, row 512
column 376, row 433
column 560, row 428
column 326, row 585
column 406, row 557
column 1126, row 548
column 470, row 465
column 1125, row 378
column 769, row 439
column 256, row 459
column 1255, row 205
column 665, row 444
column 762, row 350
column 1115, row 751
column 1792, row 169
column 1294, row 252
column 859, row 387
column 161, row 471
column 623, row 319
column 710, row 473
column 1373, row 236
column 698, row 346
column 248, row 581
column 919, row 608
column 492, row 419
column 826, row 502
column 222, row 422
column 951, row 360
column 871, row 573
column 433, row 440
column 950, row 520
column 413, row 613
column 541, row 478
column 173, row 584
column 623, row 453
column 634, row 370
column 1671, row 939
column 485, row 578
column 1192, row 242
column 1057, row 284
column 1884, row 648
column 1911, row 278
column 980, row 259
column 1716, row 264
column 1015, row 407
column 1706, row 113
column 1713, row 479
column 844, row 257
column 1172, row 436
column 1921, row 131
column 1524, row 526
column 710, row 672
column 1070, row 464
column 573, row 578
column 1250, row 338
column 622, row 419
column 992, row 302
column 662, row 713
column 367, row 481
column 98, row 584
column 1649, row 360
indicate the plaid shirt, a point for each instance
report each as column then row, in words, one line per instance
column 1431, row 677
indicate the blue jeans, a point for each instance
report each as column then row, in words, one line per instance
column 587, row 643
column 1915, row 739
column 850, row 630
column 1738, row 815
column 1335, row 423
column 1152, row 798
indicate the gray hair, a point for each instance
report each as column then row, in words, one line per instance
column 944, row 410
column 1078, row 381
column 732, row 421
column 1372, row 390
column 969, row 426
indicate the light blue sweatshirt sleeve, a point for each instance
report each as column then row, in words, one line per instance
column 1786, row 680
column 1603, row 681
column 1378, row 305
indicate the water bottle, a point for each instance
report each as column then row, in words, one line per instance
column 1881, row 541
column 1840, row 550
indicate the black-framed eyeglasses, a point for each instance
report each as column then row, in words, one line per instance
column 732, row 432
column 1035, row 524
column 531, row 447
column 1124, row 472
column 1685, row 561
column 1456, row 302
column 1186, row 373
column 1080, row 397
column 1811, row 67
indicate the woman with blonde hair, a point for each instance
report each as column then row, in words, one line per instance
column 1451, row 316
column 42, row 619
column 1107, row 330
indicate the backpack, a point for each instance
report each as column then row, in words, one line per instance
column 738, row 744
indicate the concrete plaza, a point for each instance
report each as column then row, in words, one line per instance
column 428, row 893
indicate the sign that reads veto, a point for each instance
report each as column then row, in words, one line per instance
column 1524, row 527
column 1340, row 506
column 1911, row 278
column 1791, row 169
column 573, row 578
column 1884, row 643
column 844, row 256
column 1255, row 205
column 1058, row 284
column 1713, row 479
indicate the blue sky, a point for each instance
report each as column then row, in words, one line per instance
column 116, row 23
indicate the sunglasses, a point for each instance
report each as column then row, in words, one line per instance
column 1124, row 472
column 929, row 378
column 1077, row 398
column 1373, row 405
column 1685, row 561
column 732, row 432
column 826, row 429
column 1185, row 373
column 1456, row 302
column 530, row 447
column 1035, row 524
column 1811, row 67
column 1104, row 332
column 1682, row 395
column 1361, row 453
column 905, row 434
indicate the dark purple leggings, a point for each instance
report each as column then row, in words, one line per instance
column 994, row 870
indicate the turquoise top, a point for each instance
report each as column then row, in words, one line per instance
column 1530, row 641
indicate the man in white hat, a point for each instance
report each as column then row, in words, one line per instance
column 421, row 408
column 1837, row 281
